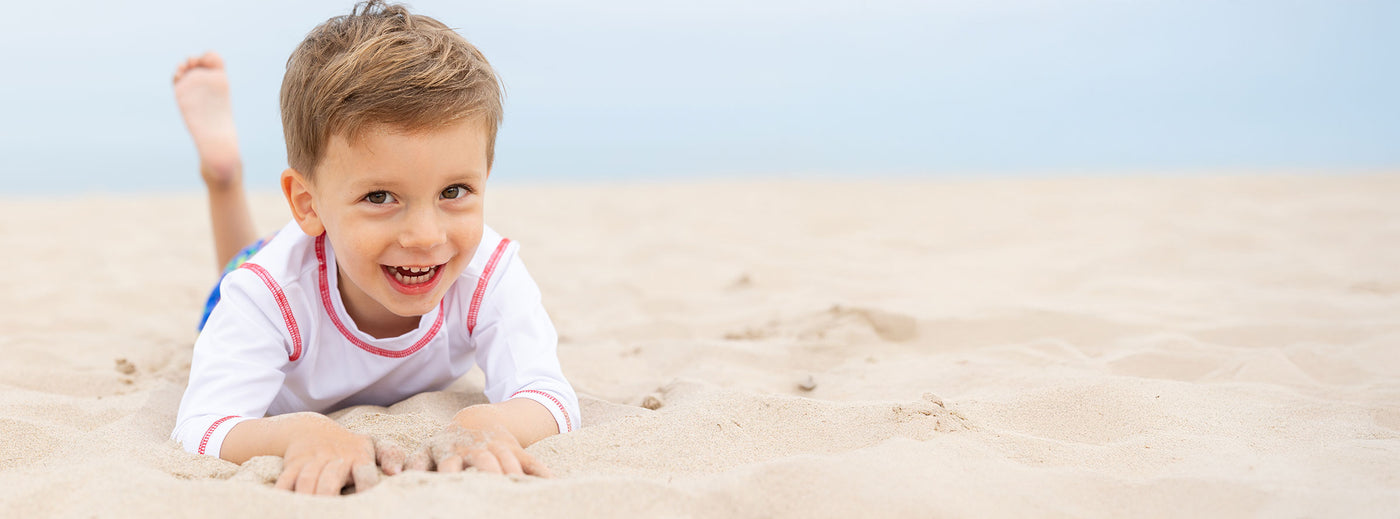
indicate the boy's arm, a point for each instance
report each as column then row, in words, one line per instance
column 236, row 372
column 517, row 349
column 526, row 420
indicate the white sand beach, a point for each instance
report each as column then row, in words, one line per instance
column 1148, row 346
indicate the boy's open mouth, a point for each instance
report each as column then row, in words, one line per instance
column 412, row 277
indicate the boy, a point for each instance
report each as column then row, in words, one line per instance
column 387, row 283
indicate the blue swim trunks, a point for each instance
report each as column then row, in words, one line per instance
column 238, row 260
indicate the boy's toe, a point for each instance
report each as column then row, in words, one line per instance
column 211, row 59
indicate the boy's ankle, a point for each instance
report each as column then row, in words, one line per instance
column 221, row 178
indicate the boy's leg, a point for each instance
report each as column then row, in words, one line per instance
column 201, row 90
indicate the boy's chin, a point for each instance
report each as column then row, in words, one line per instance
column 413, row 309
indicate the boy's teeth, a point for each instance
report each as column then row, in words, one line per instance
column 415, row 275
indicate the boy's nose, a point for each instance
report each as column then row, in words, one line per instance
column 422, row 231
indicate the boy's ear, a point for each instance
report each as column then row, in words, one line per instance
column 298, row 192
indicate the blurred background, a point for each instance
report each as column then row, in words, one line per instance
column 640, row 90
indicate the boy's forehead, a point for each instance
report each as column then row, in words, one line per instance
column 387, row 152
column 375, row 133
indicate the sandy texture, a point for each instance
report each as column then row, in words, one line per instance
column 1141, row 347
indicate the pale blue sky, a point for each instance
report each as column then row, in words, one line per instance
column 657, row 90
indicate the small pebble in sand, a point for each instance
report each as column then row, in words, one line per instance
column 809, row 384
column 653, row 402
column 125, row 367
column 744, row 281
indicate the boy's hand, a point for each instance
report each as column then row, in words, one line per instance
column 475, row 441
column 322, row 456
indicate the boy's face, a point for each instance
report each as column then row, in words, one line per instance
column 403, row 212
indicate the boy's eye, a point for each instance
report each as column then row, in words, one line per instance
column 454, row 192
column 379, row 197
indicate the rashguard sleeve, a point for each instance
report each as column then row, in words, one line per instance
column 237, row 367
column 516, row 347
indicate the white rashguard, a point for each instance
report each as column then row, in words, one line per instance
column 280, row 341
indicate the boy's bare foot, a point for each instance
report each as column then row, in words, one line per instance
column 201, row 90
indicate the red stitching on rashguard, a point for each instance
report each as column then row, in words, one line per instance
column 282, row 304
column 481, row 284
column 204, row 442
column 330, row 311
column 568, row 424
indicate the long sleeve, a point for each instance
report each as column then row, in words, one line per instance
column 516, row 346
column 238, row 362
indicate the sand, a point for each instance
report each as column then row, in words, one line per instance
column 1092, row 347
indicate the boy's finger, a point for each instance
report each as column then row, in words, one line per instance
column 421, row 460
column 365, row 475
column 484, row 461
column 288, row 479
column 332, row 478
column 509, row 464
column 533, row 466
column 306, row 479
column 389, row 456
column 451, row 463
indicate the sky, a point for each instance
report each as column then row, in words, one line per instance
column 650, row 90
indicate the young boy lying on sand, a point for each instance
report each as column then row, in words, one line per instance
column 386, row 284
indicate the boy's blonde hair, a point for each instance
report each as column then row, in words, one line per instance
column 383, row 66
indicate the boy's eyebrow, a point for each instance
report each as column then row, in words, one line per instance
column 466, row 174
column 467, row 177
column 371, row 183
column 391, row 182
